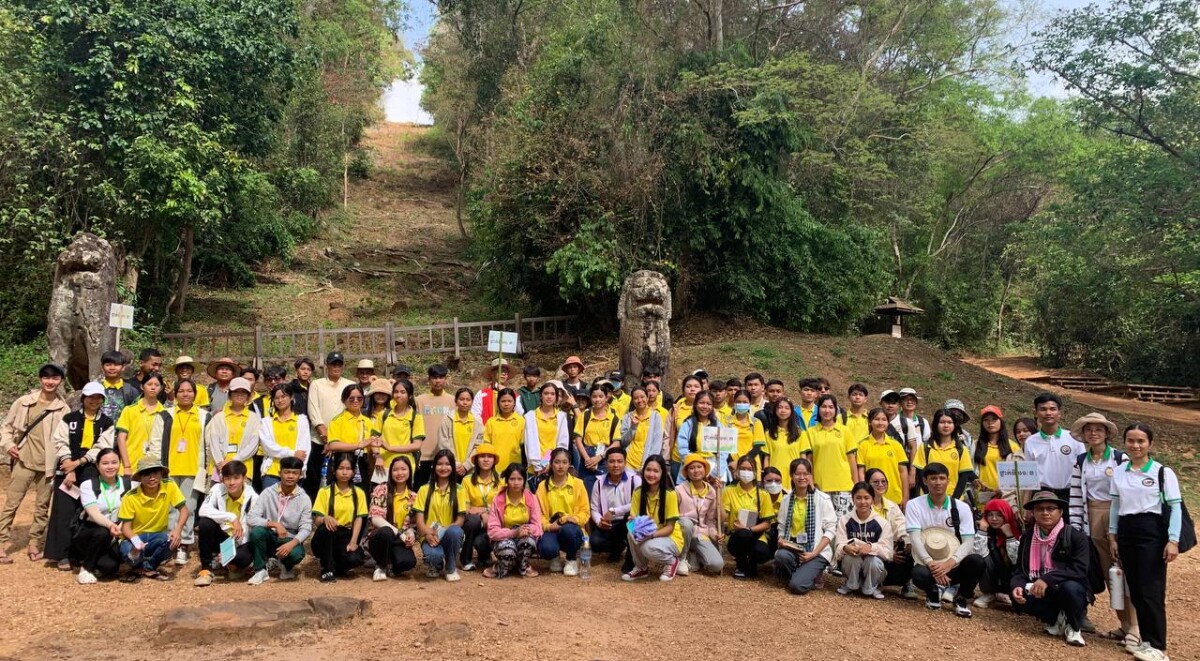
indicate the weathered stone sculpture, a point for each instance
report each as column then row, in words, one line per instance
column 77, row 328
column 645, row 314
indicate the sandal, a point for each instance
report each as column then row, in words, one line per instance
column 1131, row 641
column 34, row 556
column 5, row 559
column 529, row 572
column 130, row 577
column 1116, row 634
column 489, row 573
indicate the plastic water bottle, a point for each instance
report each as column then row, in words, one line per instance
column 585, row 560
column 1116, row 588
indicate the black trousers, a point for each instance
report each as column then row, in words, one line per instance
column 614, row 542
column 1141, row 539
column 899, row 572
column 966, row 575
column 312, row 470
column 475, row 541
column 96, row 549
column 63, row 511
column 748, row 551
column 210, row 536
column 389, row 551
column 329, row 548
column 257, row 482
column 1068, row 597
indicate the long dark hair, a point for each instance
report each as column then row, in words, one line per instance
column 664, row 486
column 694, row 416
column 821, row 400
column 936, row 435
column 867, row 479
column 391, row 490
column 793, row 425
column 452, row 483
column 981, row 445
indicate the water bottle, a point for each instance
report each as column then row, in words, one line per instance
column 585, row 560
column 1116, row 588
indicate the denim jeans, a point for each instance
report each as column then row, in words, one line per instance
column 445, row 554
column 156, row 550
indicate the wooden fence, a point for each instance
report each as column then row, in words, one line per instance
column 385, row 345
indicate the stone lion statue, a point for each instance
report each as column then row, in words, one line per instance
column 77, row 329
column 645, row 315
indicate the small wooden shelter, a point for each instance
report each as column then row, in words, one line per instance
column 897, row 309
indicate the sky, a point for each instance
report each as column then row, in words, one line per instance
column 401, row 101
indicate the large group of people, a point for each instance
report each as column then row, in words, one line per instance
column 249, row 468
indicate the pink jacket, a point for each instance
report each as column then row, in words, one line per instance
column 702, row 511
column 495, row 528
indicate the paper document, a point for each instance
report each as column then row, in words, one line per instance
column 228, row 550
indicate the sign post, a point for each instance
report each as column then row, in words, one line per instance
column 120, row 316
column 1012, row 473
column 502, row 342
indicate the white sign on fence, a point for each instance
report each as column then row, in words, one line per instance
column 120, row 316
column 502, row 342
column 718, row 439
column 1024, row 472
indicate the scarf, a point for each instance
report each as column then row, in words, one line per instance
column 810, row 520
column 1000, row 505
column 1039, row 556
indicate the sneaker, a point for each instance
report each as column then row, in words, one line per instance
column 844, row 591
column 739, row 574
column 286, row 574
column 835, row 571
column 1059, row 625
column 878, row 595
column 453, row 577
column 1074, row 638
column 1003, row 599
column 909, row 591
column 961, row 609
column 932, row 602
column 274, row 565
column 983, row 601
column 1147, row 653
column 181, row 556
column 203, row 579
column 571, row 568
column 556, row 565
column 261, row 576
column 949, row 594
column 328, row 577
column 635, row 574
column 1135, row 647
column 683, row 568
column 85, row 577
column 380, row 574
column 432, row 572
column 470, row 566
column 669, row 571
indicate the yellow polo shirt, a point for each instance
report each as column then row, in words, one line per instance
column 600, row 430
column 507, row 434
column 285, row 436
column 464, row 429
column 637, row 447
column 750, row 433
column 954, row 461
column 671, row 512
column 831, row 448
column 185, row 434
column 344, row 504
column 735, row 498
column 440, row 510
column 482, row 494
column 516, row 513
column 782, row 453
column 400, row 429
column 149, row 514
column 547, row 430
column 569, row 499
column 136, row 421
column 888, row 456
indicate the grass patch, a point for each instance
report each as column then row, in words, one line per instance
column 945, row 376
column 838, row 351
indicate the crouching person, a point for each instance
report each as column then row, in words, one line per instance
column 340, row 509
column 280, row 519
column 144, row 513
column 1050, row 580
column 222, row 516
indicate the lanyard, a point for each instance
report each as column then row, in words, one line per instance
column 111, row 502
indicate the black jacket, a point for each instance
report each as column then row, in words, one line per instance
column 1071, row 558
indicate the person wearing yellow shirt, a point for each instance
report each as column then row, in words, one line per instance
column 223, row 515
column 565, row 511
column 749, row 428
column 439, row 512
column 285, row 434
column 176, row 437
column 546, row 428
column 833, row 455
column 185, row 368
column 232, row 433
column 350, row 431
column 855, row 418
column 993, row 447
column 680, row 412
column 878, row 450
column 772, row 483
column 505, row 430
column 722, row 399
column 402, row 430
column 946, row 448
column 786, row 442
column 481, row 486
column 656, row 536
column 145, row 510
column 595, row 432
column 620, row 402
column 654, row 392
column 76, row 442
column 133, row 427
column 748, row 513
column 643, row 429
column 459, row 431
column 514, row 526
column 392, row 537
column 690, row 436
column 807, row 525
column 339, row 512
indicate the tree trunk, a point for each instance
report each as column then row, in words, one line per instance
column 460, row 151
column 718, row 24
column 1000, row 312
column 179, row 300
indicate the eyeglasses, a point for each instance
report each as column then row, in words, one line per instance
column 354, row 399
column 879, row 481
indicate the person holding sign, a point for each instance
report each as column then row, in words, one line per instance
column 700, row 518
column 222, row 523
column 1050, row 579
column 807, row 527
column 1052, row 447
column 693, row 437
column 834, row 454
column 749, row 514
column 992, row 449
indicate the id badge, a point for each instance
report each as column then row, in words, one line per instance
column 181, row 446
column 802, row 538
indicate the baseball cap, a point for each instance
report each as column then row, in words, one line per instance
column 335, row 357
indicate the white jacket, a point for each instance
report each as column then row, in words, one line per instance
column 533, row 440
column 213, row 508
column 273, row 451
column 826, row 524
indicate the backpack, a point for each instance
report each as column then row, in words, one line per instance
column 1187, row 532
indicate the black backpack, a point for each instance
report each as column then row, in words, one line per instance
column 1187, row 532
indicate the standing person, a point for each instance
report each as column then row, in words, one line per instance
column 175, row 437
column 690, row 435
column 481, row 486
column 185, row 369
column 280, row 520
column 223, row 515
column 908, row 410
column 133, row 427
column 700, row 516
column 458, row 432
column 27, row 440
column 958, row 411
column 232, row 432
column 78, row 439
column 941, row 530
column 834, row 453
column 899, row 568
column 305, row 368
column 1052, row 447
column 545, row 429
column 514, row 525
column 1144, row 527
column 572, row 368
column 610, row 502
column 948, row 450
column 807, row 526
column 505, row 430
column 150, row 361
column 439, row 512
column 1023, row 428
column 882, row 452
column 95, row 541
column 144, row 513
column 563, row 499
column 324, row 403
column 1091, row 486
column 749, row 513
column 285, row 434
column 364, row 373
column 393, row 535
column 855, row 418
column 993, row 447
column 620, row 399
column 750, row 430
column 222, row 372
column 595, row 431
column 643, row 429
column 487, row 400
column 808, row 416
column 786, row 442
column 1050, row 579
column 402, row 430
column 681, row 410
column 661, row 541
column 863, row 545
column 529, row 395
column 350, row 431
column 273, row 375
column 118, row 393
column 340, row 511
column 756, row 385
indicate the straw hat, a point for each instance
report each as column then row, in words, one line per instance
column 366, row 364
column 571, row 360
column 498, row 363
column 941, row 544
column 186, row 360
column 224, row 361
column 1093, row 419
column 380, row 387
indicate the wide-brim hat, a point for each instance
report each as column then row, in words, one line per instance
column 366, row 364
column 224, row 361
column 497, row 364
column 940, row 544
column 380, row 387
column 186, row 360
column 572, row 360
column 1093, row 419
column 957, row 405
column 1046, row 497
column 146, row 464
column 889, row 393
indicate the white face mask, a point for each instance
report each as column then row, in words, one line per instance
column 745, row 476
column 774, row 488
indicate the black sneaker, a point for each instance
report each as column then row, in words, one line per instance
column 961, row 608
column 739, row 574
column 328, row 577
column 932, row 601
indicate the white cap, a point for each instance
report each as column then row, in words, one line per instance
column 240, row 384
column 366, row 364
column 93, row 388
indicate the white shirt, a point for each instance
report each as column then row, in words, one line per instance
column 1055, row 457
column 910, row 430
column 108, row 500
column 1138, row 488
column 920, row 514
column 1097, row 475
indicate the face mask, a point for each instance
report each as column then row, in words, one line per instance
column 741, row 407
column 745, row 476
column 774, row 488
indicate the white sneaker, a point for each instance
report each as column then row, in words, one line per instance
column 556, row 565
column 470, row 566
column 286, row 574
column 181, row 556
column 984, row 601
column 1074, row 638
column 571, row 568
column 683, row 568
column 1060, row 625
column 85, row 577
column 949, row 594
column 379, row 575
column 453, row 577
column 1003, row 599
column 1148, row 653
column 261, row 576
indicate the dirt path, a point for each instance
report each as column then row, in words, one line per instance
column 1026, row 367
